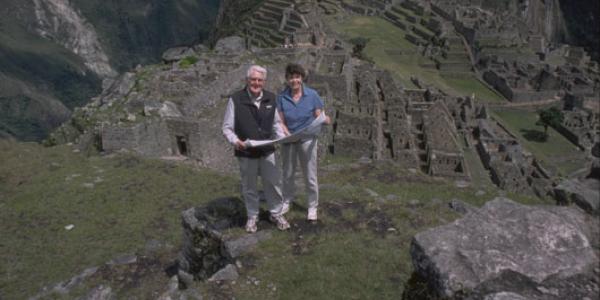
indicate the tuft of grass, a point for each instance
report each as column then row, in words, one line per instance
column 188, row 61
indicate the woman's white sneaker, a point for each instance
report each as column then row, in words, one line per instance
column 312, row 214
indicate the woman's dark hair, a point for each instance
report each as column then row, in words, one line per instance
column 292, row 69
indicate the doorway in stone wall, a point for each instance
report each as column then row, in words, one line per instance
column 182, row 145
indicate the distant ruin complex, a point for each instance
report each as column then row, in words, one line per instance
column 175, row 109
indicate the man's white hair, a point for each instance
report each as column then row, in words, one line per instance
column 258, row 69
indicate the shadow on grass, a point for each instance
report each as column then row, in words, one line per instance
column 534, row 135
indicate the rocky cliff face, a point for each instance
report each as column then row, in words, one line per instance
column 63, row 49
column 57, row 20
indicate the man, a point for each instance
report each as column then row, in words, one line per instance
column 251, row 115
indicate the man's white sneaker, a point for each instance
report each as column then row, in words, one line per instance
column 251, row 224
column 282, row 223
column 312, row 214
column 285, row 208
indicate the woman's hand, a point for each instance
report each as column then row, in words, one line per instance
column 327, row 118
column 286, row 131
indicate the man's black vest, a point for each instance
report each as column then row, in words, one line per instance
column 254, row 123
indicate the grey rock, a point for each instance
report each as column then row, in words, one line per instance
column 237, row 247
column 151, row 108
column 174, row 293
column 185, row 279
column 506, row 245
column 365, row 160
column 480, row 193
column 462, row 183
column 371, row 193
column 169, row 110
column 228, row 273
column 230, row 45
column 583, row 193
column 152, row 247
column 100, row 292
column 392, row 197
column 461, row 207
column 66, row 286
column 176, row 54
column 504, row 296
column 123, row 260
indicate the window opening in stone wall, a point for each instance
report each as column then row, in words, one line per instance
column 182, row 146
column 459, row 168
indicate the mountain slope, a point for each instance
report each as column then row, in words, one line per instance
column 63, row 49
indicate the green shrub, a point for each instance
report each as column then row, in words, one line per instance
column 188, row 61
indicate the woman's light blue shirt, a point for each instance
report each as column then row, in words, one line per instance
column 299, row 114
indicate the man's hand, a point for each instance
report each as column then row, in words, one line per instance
column 239, row 145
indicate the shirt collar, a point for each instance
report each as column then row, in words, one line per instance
column 252, row 98
column 288, row 92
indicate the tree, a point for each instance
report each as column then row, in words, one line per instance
column 359, row 44
column 549, row 117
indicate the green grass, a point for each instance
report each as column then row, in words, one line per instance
column 358, row 250
column 188, row 61
column 472, row 86
column 557, row 154
column 132, row 200
column 383, row 36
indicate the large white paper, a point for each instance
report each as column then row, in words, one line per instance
column 307, row 132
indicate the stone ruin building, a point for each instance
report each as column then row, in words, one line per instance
column 581, row 124
column 381, row 120
column 511, row 167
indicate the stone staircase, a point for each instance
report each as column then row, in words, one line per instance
column 419, row 136
column 455, row 60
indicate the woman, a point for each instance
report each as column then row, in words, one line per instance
column 299, row 105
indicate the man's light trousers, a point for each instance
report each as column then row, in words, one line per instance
column 265, row 167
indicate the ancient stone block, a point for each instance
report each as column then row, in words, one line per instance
column 506, row 246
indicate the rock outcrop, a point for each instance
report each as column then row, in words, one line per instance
column 537, row 252
column 583, row 192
